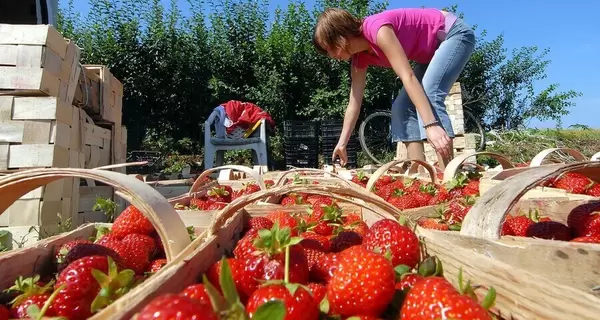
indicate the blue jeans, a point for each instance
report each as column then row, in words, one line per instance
column 436, row 78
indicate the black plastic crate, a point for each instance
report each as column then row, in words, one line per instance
column 331, row 128
column 300, row 129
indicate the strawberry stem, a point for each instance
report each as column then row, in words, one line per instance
column 286, row 274
column 49, row 302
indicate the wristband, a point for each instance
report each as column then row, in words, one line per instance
column 431, row 124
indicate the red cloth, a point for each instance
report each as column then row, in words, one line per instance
column 245, row 114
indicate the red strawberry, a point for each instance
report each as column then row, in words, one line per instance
column 594, row 190
column 318, row 291
column 413, row 186
column 269, row 183
column 363, row 276
column 197, row 203
column 133, row 256
column 359, row 227
column 157, row 265
column 436, row 298
column 400, row 241
column 360, row 179
column 284, row 219
column 245, row 274
column 441, row 196
column 584, row 220
column 62, row 252
column 78, row 279
column 131, row 220
column 408, row 280
column 319, row 200
column 82, row 250
column 425, row 194
column 330, row 213
column 259, row 223
column 250, row 188
column 323, row 228
column 172, row 306
column 551, row 230
column 433, row 223
column 458, row 209
column 299, row 304
column 220, row 194
column 196, row 292
column 315, row 241
column 292, row 200
column 404, row 201
column 245, row 247
column 144, row 241
column 4, row 314
column 518, row 225
column 324, row 267
column 215, row 205
column 19, row 310
column 345, row 240
column 587, row 239
column 573, row 182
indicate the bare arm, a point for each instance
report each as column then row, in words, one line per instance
column 359, row 79
column 389, row 44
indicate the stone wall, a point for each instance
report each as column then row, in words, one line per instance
column 462, row 142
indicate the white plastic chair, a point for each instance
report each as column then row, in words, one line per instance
column 216, row 147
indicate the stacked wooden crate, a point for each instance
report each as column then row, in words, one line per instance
column 41, row 125
column 463, row 142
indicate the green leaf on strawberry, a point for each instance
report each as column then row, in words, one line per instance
column 430, row 267
column 112, row 285
column 271, row 310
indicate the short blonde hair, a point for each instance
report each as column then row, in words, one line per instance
column 334, row 27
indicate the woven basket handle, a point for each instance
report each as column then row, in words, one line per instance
column 541, row 157
column 281, row 180
column 152, row 204
column 485, row 219
column 341, row 193
column 251, row 172
column 457, row 163
column 384, row 168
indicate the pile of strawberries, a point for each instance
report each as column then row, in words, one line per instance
column 574, row 182
column 89, row 274
column 322, row 264
column 219, row 196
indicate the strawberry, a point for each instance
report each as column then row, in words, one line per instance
column 458, row 209
column 271, row 245
column 284, row 219
column 363, row 276
column 133, row 255
column 292, row 200
column 461, row 186
column 425, row 194
column 358, row 226
column 196, row 292
column 551, row 230
column 587, row 239
column 4, row 313
column 318, row 200
column 436, row 298
column 131, row 220
column 315, row 241
column 197, row 203
column 157, row 265
column 220, row 194
column 83, row 249
column 172, row 306
column 413, row 186
column 62, row 252
column 389, row 235
column 323, row 228
column 404, row 201
column 518, row 225
column 361, row 179
column 299, row 303
column 594, row 190
column 433, row 223
column 345, row 240
column 250, row 188
column 269, row 183
column 215, row 205
column 19, row 310
column 573, row 182
column 330, row 213
column 324, row 267
column 408, row 280
column 584, row 220
column 245, row 247
column 146, row 242
column 383, row 181
column 318, row 291
column 259, row 223
column 243, row 272
column 441, row 196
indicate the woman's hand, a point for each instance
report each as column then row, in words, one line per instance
column 440, row 141
column 340, row 152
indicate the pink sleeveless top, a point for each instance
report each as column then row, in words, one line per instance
column 415, row 28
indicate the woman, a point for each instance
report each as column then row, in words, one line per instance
column 440, row 44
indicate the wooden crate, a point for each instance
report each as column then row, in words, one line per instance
column 39, row 132
column 520, row 293
column 37, row 60
column 101, row 95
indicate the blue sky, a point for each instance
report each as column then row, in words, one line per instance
column 568, row 29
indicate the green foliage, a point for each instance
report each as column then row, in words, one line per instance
column 177, row 67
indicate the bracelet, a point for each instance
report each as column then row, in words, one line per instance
column 431, row 124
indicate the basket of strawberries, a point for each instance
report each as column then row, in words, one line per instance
column 75, row 277
column 251, row 267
